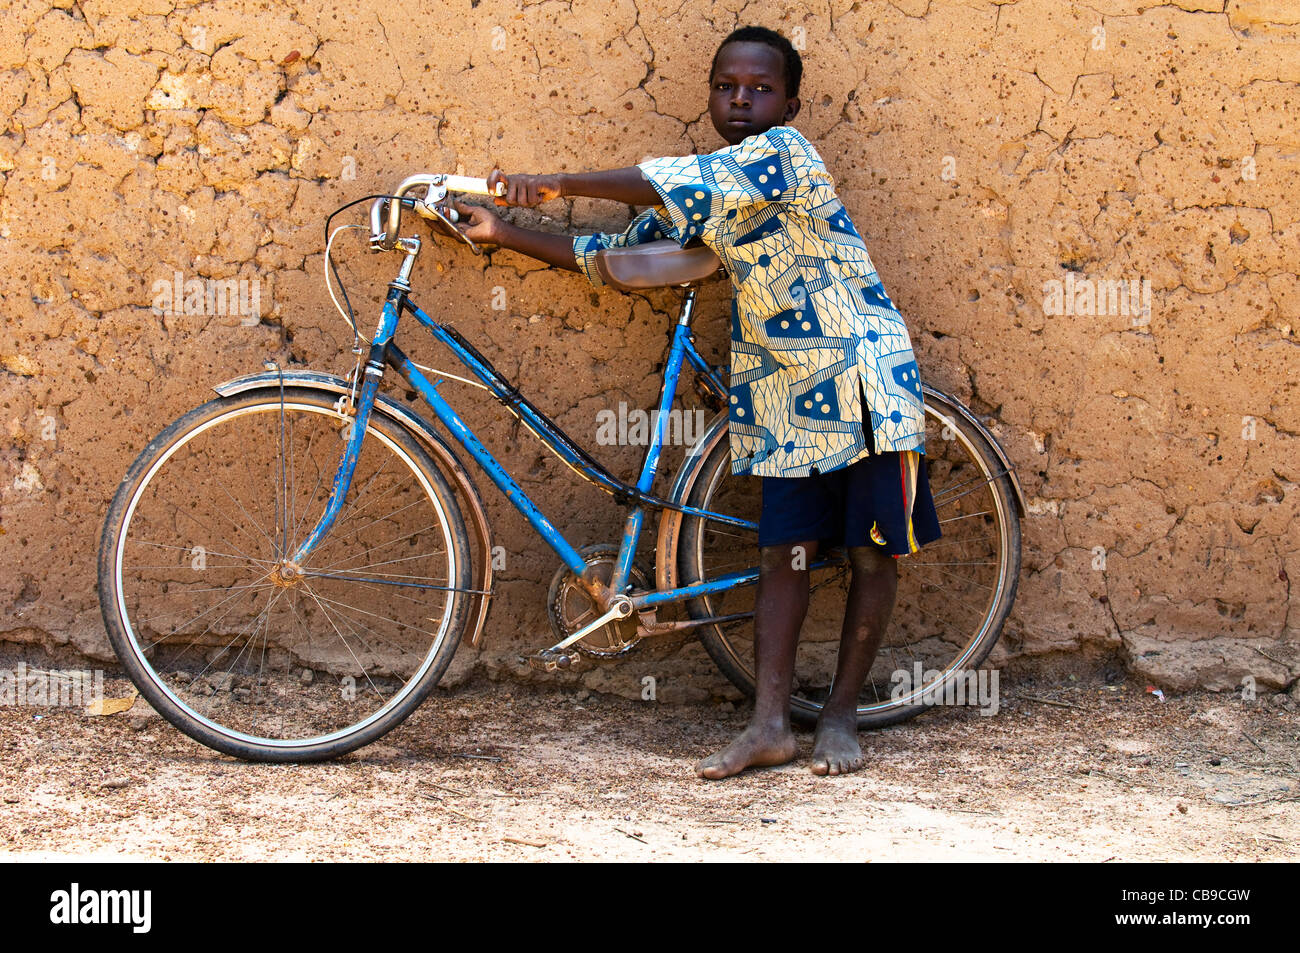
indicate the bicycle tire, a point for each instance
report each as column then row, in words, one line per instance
column 262, row 667
column 976, row 504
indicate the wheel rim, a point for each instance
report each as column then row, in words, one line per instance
column 248, row 657
column 951, row 594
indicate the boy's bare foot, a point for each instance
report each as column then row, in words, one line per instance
column 754, row 748
column 836, row 750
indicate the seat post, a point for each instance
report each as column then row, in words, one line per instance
column 688, row 305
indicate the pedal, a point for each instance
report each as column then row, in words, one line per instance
column 548, row 661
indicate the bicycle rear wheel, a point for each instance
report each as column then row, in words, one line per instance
column 244, row 656
column 953, row 596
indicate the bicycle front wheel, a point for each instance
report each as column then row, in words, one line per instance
column 953, row 596
column 245, row 653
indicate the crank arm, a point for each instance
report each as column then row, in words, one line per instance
column 548, row 660
column 619, row 610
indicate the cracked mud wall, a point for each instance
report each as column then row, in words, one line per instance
column 984, row 149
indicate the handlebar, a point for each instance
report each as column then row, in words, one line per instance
column 386, row 213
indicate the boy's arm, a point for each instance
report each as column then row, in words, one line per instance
column 562, row 251
column 626, row 185
column 481, row 225
column 553, row 249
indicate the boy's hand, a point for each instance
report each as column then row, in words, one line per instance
column 476, row 223
column 528, row 190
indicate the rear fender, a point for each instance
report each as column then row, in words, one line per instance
column 950, row 403
column 670, row 521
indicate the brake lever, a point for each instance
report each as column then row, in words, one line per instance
column 431, row 211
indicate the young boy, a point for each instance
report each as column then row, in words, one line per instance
column 818, row 352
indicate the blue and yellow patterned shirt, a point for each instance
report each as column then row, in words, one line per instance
column 809, row 317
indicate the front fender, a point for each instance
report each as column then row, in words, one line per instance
column 434, row 443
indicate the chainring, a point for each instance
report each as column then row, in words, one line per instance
column 569, row 606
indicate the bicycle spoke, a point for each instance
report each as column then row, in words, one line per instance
column 179, row 511
column 391, row 590
column 315, row 490
column 211, row 552
column 325, row 612
column 965, row 516
column 368, row 568
column 256, row 619
column 391, row 542
column 949, row 499
column 196, row 618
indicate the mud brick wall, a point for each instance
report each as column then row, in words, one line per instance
column 987, row 150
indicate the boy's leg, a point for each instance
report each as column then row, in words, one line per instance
column 870, row 603
column 779, row 608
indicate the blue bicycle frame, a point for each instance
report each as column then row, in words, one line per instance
column 383, row 351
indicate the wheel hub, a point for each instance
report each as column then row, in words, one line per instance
column 286, row 575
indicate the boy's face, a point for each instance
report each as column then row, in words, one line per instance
column 747, row 94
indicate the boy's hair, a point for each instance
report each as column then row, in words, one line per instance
column 761, row 34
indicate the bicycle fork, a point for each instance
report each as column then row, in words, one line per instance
column 372, row 371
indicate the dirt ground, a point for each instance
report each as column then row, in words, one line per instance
column 1066, row 770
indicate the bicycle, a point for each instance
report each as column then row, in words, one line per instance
column 286, row 570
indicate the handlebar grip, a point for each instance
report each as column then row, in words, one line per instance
column 461, row 183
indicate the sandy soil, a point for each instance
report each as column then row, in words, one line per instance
column 1067, row 770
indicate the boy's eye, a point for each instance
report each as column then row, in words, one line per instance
column 764, row 87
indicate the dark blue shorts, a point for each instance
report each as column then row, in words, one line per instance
column 840, row 508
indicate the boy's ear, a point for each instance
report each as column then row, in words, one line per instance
column 792, row 108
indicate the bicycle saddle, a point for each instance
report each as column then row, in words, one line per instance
column 655, row 265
